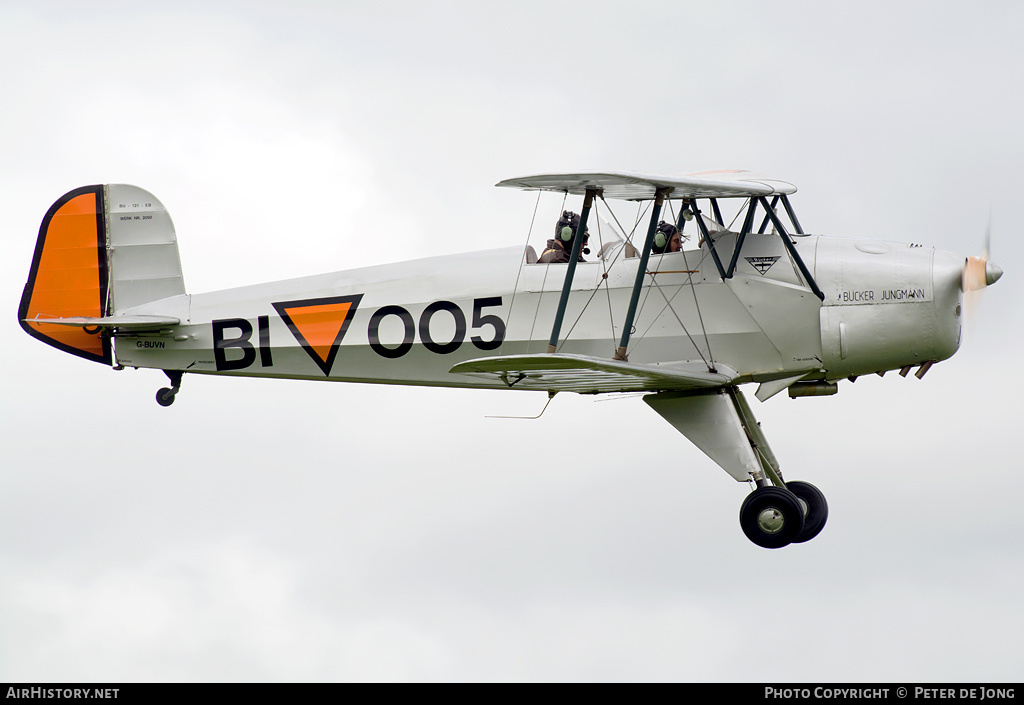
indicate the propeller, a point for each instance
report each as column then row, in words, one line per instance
column 978, row 271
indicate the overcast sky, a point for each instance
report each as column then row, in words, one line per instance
column 284, row 530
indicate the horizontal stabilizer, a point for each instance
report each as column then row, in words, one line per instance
column 558, row 372
column 633, row 186
column 132, row 323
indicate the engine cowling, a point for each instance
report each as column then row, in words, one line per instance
column 887, row 305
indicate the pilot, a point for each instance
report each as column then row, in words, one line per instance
column 559, row 249
column 667, row 238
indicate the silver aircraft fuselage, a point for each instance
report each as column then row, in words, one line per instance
column 886, row 306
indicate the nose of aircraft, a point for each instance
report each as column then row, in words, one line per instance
column 992, row 273
column 979, row 273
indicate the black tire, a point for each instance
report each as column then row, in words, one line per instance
column 771, row 517
column 817, row 509
column 165, row 396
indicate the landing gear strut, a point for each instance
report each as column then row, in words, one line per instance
column 165, row 395
column 721, row 423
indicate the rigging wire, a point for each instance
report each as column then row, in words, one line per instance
column 522, row 264
column 628, row 235
column 641, row 211
column 696, row 303
column 614, row 259
column 746, row 204
column 593, row 293
column 544, row 280
column 668, row 305
column 604, row 274
column 642, row 208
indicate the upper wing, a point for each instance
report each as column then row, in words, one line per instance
column 560, row 372
column 634, row 186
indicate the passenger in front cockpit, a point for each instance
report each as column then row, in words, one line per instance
column 666, row 239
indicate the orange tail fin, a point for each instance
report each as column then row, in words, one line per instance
column 69, row 276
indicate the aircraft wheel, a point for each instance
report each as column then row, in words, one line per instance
column 165, row 396
column 816, row 512
column 771, row 517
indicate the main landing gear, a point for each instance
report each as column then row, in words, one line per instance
column 773, row 517
column 165, row 395
column 721, row 423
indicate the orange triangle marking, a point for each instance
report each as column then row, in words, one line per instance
column 319, row 325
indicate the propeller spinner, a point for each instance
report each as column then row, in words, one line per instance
column 978, row 271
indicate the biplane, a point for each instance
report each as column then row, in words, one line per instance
column 747, row 300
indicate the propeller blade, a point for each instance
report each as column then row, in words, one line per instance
column 978, row 271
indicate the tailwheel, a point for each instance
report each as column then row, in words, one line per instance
column 815, row 509
column 165, row 396
column 772, row 517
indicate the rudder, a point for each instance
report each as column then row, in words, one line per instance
column 68, row 277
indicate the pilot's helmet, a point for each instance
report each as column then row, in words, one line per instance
column 662, row 237
column 565, row 228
